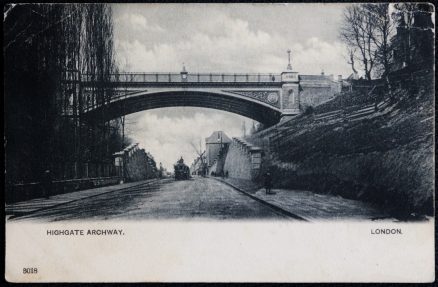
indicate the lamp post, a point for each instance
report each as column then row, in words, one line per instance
column 219, row 139
column 184, row 74
column 221, row 154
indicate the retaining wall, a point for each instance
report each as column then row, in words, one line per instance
column 243, row 160
column 135, row 164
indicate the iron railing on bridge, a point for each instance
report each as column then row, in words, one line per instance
column 189, row 78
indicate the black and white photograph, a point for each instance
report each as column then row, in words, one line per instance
column 300, row 118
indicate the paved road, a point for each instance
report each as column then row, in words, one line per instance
column 199, row 198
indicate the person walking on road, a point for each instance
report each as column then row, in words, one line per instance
column 268, row 183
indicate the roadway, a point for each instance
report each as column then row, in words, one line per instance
column 198, row 198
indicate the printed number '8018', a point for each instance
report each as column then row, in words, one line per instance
column 30, row 270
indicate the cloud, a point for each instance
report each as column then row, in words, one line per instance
column 160, row 58
column 316, row 55
column 237, row 48
column 137, row 22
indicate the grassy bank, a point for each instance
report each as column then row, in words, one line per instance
column 348, row 148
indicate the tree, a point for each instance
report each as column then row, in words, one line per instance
column 48, row 48
column 367, row 30
column 351, row 53
column 404, row 16
column 357, row 32
column 201, row 157
column 415, row 36
column 384, row 30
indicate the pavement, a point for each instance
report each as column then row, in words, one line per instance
column 28, row 206
column 309, row 205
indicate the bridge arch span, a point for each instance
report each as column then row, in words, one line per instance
column 133, row 102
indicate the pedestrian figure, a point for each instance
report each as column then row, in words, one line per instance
column 47, row 183
column 268, row 183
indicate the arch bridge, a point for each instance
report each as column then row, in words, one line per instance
column 263, row 97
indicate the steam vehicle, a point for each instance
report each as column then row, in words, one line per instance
column 182, row 171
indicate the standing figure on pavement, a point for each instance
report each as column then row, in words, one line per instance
column 268, row 183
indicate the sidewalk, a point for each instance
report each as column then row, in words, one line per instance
column 23, row 207
column 311, row 206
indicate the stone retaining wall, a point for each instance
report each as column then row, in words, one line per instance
column 135, row 164
column 243, row 160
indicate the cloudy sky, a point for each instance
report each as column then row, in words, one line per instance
column 218, row 38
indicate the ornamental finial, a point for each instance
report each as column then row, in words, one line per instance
column 289, row 65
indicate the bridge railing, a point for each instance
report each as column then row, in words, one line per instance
column 190, row 78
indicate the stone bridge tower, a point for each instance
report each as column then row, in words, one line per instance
column 290, row 102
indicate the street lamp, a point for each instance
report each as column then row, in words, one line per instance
column 184, row 74
column 221, row 153
column 219, row 138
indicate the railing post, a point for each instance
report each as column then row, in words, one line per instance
column 86, row 170
column 234, row 77
column 211, row 78
column 222, row 77
column 156, row 77
column 198, row 78
column 247, row 78
column 169, row 78
column 258, row 78
column 144, row 77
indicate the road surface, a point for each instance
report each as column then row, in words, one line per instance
column 199, row 198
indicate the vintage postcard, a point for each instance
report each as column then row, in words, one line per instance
column 219, row 142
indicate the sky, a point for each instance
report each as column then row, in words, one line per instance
column 228, row 38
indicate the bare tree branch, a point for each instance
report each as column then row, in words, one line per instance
column 357, row 32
